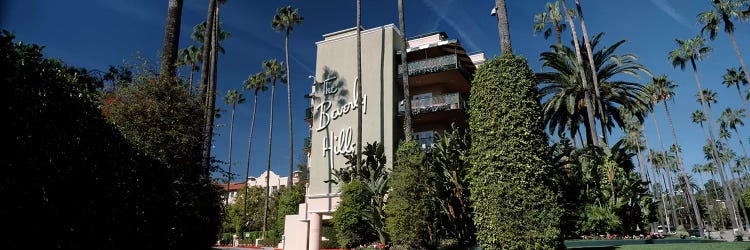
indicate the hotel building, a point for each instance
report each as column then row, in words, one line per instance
column 440, row 73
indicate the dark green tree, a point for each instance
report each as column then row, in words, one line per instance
column 408, row 210
column 513, row 187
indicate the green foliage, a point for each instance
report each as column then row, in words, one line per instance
column 86, row 180
column 348, row 219
column 449, row 188
column 681, row 232
column 513, row 190
column 234, row 221
column 288, row 203
column 597, row 220
column 408, row 209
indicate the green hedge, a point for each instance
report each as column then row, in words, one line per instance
column 511, row 179
column 408, row 216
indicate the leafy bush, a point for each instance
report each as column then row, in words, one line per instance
column 408, row 216
column 513, row 190
column 71, row 170
column 348, row 219
column 682, row 233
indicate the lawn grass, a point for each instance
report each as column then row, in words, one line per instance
column 679, row 246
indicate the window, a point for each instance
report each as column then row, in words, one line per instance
column 425, row 139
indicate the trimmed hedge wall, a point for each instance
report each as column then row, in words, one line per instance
column 514, row 193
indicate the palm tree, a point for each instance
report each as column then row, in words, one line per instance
column 592, row 67
column 735, row 77
column 273, row 71
column 593, row 135
column 233, row 97
column 662, row 90
column 552, row 17
column 285, row 20
column 359, row 83
column 171, row 41
column 211, row 97
column 190, row 56
column 699, row 117
column 689, row 51
column 662, row 161
column 256, row 83
column 564, row 92
column 722, row 14
column 731, row 118
column 405, row 74
column 502, row 26
column 710, row 96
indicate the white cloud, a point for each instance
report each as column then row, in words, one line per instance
column 665, row 7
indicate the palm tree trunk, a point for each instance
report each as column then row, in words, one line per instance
column 558, row 33
column 207, row 36
column 249, row 147
column 405, row 74
column 671, row 194
column 171, row 41
column 268, row 166
column 190, row 87
column 742, row 145
column 668, row 216
column 688, row 191
column 289, row 105
column 229, row 169
column 503, row 27
column 592, row 67
column 212, row 86
column 359, row 85
column 728, row 195
column 204, row 87
column 593, row 135
column 742, row 61
column 716, row 191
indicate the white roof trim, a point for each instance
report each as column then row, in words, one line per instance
column 430, row 45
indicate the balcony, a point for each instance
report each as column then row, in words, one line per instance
column 309, row 114
column 444, row 102
column 307, row 144
column 432, row 65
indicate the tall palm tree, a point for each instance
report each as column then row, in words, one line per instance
column 564, row 92
column 552, row 17
column 736, row 78
column 359, row 83
column 699, row 117
column 662, row 162
column 405, row 74
column 190, row 56
column 171, row 41
column 592, row 67
column 257, row 83
column 213, row 73
column 285, row 20
column 274, row 71
column 723, row 13
column 502, row 27
column 662, row 90
column 233, row 97
column 689, row 51
column 584, row 80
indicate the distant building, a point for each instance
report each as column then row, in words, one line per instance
column 275, row 181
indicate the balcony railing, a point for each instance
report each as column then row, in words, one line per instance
column 308, row 113
column 437, row 103
column 432, row 65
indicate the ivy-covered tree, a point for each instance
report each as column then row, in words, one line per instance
column 513, row 188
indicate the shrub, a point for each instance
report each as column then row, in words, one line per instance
column 348, row 219
column 512, row 187
column 682, row 233
column 408, row 217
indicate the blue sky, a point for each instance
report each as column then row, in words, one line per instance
column 95, row 34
